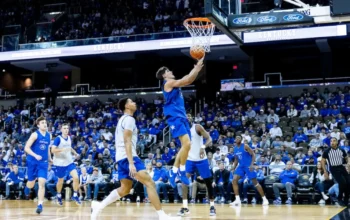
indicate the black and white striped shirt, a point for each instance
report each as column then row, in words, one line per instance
column 334, row 157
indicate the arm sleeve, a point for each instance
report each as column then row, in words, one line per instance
column 129, row 123
column 57, row 141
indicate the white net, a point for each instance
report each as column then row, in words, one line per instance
column 201, row 30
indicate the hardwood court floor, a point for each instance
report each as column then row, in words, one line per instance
column 15, row 210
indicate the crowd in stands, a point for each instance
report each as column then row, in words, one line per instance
column 287, row 134
column 104, row 18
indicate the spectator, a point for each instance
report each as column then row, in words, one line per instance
column 299, row 137
column 223, row 148
column 273, row 116
column 309, row 159
column 275, row 131
column 287, row 178
column 96, row 181
column 319, row 183
column 277, row 166
column 83, row 181
column 166, row 156
column 160, row 178
column 292, row 112
column 305, row 112
column 220, row 182
column 14, row 181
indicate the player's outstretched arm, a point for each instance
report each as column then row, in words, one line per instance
column 202, row 132
column 186, row 80
column 28, row 147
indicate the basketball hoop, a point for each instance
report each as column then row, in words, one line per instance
column 201, row 30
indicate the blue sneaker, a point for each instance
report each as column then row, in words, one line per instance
column 172, row 177
column 277, row 201
column 289, row 201
column 39, row 209
column 76, row 200
column 184, row 178
column 59, row 201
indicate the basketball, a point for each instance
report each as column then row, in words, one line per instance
column 197, row 52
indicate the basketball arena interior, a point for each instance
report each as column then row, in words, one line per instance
column 275, row 73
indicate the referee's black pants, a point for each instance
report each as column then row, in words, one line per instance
column 342, row 177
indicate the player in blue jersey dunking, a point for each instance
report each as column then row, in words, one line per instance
column 38, row 150
column 63, row 161
column 175, row 113
column 130, row 166
column 245, row 156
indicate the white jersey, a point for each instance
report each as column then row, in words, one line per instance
column 125, row 122
column 64, row 158
column 196, row 144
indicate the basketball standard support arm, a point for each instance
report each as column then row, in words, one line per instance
column 297, row 3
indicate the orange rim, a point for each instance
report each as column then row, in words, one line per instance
column 188, row 21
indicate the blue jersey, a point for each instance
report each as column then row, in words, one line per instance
column 244, row 157
column 40, row 147
column 174, row 105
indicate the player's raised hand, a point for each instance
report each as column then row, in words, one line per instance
column 200, row 61
column 132, row 171
column 38, row 157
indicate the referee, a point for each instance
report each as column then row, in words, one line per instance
column 336, row 159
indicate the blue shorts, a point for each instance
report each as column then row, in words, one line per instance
column 241, row 171
column 61, row 172
column 202, row 166
column 37, row 169
column 179, row 127
column 123, row 167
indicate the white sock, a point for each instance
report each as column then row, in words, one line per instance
column 59, row 195
column 182, row 167
column 175, row 169
column 40, row 202
column 185, row 203
column 113, row 196
column 212, row 203
column 238, row 198
column 160, row 213
column 75, row 194
column 264, row 197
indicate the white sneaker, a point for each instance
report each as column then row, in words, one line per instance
column 253, row 201
column 168, row 217
column 321, row 202
column 265, row 202
column 325, row 197
column 95, row 209
column 222, row 200
column 237, row 202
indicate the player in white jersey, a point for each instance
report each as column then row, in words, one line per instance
column 130, row 166
column 64, row 163
column 197, row 161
